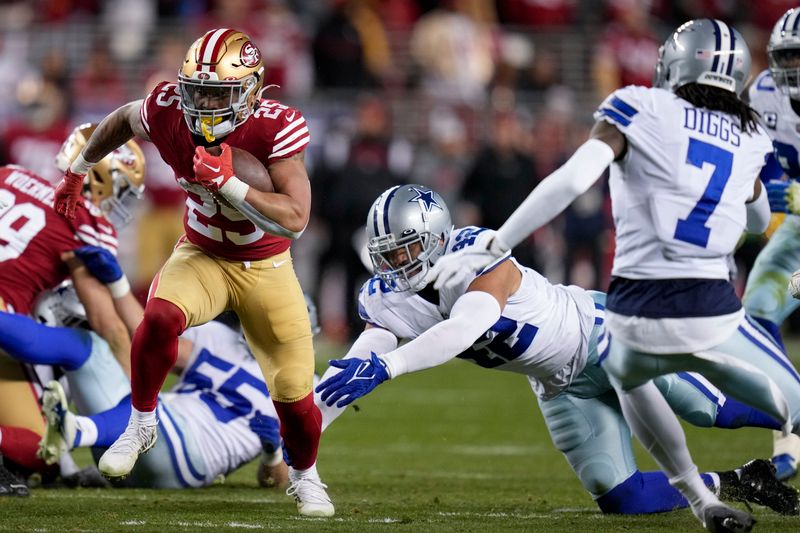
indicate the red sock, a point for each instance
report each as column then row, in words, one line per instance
column 154, row 351
column 301, row 426
column 19, row 445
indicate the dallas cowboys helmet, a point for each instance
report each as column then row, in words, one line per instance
column 784, row 53
column 407, row 230
column 704, row 51
column 60, row 307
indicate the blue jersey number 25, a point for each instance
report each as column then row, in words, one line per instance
column 693, row 228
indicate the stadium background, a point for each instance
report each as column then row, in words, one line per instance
column 479, row 99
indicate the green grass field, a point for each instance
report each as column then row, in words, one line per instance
column 457, row 448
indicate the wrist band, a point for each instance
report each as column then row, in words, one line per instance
column 234, row 190
column 119, row 288
column 80, row 165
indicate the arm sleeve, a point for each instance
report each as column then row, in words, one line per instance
column 472, row 314
column 557, row 191
column 758, row 214
column 266, row 224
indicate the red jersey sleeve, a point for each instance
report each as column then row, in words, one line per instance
column 93, row 228
column 292, row 134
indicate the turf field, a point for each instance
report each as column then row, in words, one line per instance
column 456, row 448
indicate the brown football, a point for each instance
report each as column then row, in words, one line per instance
column 248, row 168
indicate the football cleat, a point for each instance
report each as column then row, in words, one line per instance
column 9, row 484
column 309, row 493
column 59, row 433
column 723, row 519
column 757, row 484
column 119, row 459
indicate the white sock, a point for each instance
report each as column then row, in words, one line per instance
column 308, row 472
column 143, row 418
column 658, row 429
column 66, row 465
column 86, row 434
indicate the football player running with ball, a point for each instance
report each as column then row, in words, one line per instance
column 235, row 254
column 775, row 94
column 685, row 159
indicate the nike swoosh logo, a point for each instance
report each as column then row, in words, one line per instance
column 290, row 117
column 277, row 264
column 213, row 169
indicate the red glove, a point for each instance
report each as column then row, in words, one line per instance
column 211, row 171
column 68, row 194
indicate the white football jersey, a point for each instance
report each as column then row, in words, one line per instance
column 679, row 193
column 543, row 328
column 780, row 121
column 218, row 393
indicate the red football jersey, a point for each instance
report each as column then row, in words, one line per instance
column 33, row 237
column 273, row 132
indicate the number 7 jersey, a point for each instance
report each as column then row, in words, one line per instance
column 679, row 193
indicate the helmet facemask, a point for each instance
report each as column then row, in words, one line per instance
column 403, row 263
column 214, row 108
column 784, row 65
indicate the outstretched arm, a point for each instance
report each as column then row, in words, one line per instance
column 543, row 204
column 471, row 316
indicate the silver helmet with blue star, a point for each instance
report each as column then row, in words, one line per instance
column 407, row 230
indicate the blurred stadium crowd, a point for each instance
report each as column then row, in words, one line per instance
column 478, row 99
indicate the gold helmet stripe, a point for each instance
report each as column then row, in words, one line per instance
column 212, row 43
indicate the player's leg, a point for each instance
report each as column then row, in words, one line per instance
column 191, row 289
column 173, row 462
column 655, row 425
column 768, row 301
column 96, row 380
column 271, row 306
column 21, row 423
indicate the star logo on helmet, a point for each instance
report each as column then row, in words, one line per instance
column 426, row 199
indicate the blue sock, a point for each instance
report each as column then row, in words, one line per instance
column 112, row 422
column 735, row 414
column 773, row 329
column 644, row 493
column 30, row 342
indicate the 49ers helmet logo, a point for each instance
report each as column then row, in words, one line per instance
column 250, row 55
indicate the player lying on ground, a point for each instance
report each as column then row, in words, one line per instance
column 33, row 239
column 684, row 184
column 509, row 317
column 216, row 418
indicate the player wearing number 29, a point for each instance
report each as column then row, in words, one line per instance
column 685, row 158
column 236, row 251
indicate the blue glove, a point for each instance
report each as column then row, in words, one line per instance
column 268, row 431
column 101, row 263
column 357, row 378
column 778, row 195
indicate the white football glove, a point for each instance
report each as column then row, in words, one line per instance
column 453, row 268
column 794, row 284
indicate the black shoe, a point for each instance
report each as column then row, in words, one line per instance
column 9, row 484
column 757, row 483
column 89, row 477
column 722, row 519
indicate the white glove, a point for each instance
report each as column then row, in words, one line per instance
column 453, row 268
column 794, row 284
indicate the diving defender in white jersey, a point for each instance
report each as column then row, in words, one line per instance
column 775, row 94
column 509, row 317
column 684, row 185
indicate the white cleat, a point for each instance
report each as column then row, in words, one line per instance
column 119, row 459
column 309, row 493
column 61, row 427
column 785, row 454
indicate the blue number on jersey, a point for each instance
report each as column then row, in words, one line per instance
column 493, row 351
column 466, row 237
column 693, row 229
column 788, row 158
column 233, row 404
